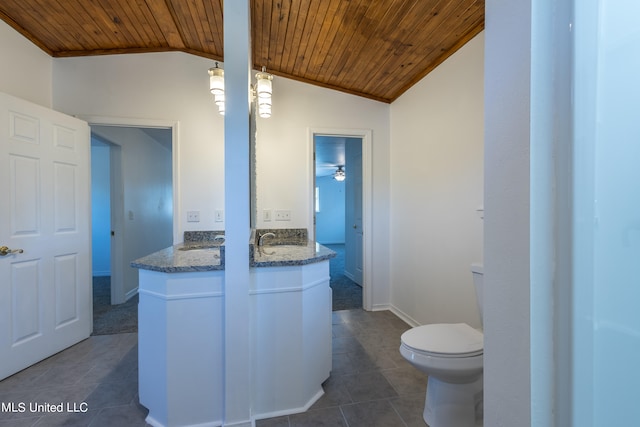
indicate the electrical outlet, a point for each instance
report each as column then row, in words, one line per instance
column 283, row 215
column 266, row 215
column 219, row 215
column 193, row 216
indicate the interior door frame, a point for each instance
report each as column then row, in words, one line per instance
column 174, row 125
column 367, row 197
column 117, row 295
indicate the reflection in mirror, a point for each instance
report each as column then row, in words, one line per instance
column 253, row 215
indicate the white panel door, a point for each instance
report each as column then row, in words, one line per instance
column 45, row 246
column 353, row 258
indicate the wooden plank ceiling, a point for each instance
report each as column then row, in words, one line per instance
column 372, row 48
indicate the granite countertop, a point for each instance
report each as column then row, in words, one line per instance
column 184, row 258
column 290, row 254
column 202, row 252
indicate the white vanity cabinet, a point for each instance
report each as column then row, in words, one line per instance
column 181, row 332
column 291, row 314
column 181, row 347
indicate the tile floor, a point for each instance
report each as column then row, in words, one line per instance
column 370, row 384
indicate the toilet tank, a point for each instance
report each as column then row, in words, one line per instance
column 477, row 270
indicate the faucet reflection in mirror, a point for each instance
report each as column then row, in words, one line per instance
column 261, row 91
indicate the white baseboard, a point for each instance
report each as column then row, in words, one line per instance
column 130, row 294
column 304, row 408
column 240, row 424
column 404, row 316
column 380, row 307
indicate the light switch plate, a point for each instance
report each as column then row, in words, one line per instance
column 266, row 215
column 219, row 215
column 193, row 216
column 283, row 215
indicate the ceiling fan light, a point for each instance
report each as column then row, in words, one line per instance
column 339, row 175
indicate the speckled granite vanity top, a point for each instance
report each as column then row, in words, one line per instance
column 204, row 251
column 182, row 258
column 283, row 255
column 285, row 248
column 201, row 251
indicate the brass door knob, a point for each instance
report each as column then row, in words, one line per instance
column 4, row 251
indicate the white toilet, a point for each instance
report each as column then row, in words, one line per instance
column 451, row 355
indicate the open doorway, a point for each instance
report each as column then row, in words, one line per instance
column 338, row 213
column 132, row 206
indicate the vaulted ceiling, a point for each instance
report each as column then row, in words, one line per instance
column 372, row 48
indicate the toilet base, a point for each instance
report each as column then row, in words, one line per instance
column 453, row 405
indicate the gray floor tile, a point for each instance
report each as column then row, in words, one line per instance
column 335, row 394
column 17, row 403
column 342, row 364
column 341, row 330
column 20, row 422
column 107, row 395
column 410, row 408
column 274, row 422
column 406, row 380
column 368, row 386
column 371, row 414
column 369, row 360
column 23, row 380
column 67, row 420
column 325, row 417
column 128, row 415
column 66, row 373
column 345, row 345
column 54, row 395
column 371, row 383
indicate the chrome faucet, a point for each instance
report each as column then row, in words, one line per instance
column 262, row 236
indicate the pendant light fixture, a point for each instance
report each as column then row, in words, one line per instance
column 216, row 86
column 262, row 90
column 339, row 175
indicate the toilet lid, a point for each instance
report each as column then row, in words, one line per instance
column 445, row 338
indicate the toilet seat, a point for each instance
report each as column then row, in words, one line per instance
column 444, row 340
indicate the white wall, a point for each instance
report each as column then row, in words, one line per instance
column 330, row 220
column 284, row 152
column 174, row 86
column 26, row 69
column 606, row 215
column 156, row 86
column 437, row 185
column 148, row 202
column 100, row 209
column 285, row 166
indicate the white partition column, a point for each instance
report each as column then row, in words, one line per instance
column 237, row 64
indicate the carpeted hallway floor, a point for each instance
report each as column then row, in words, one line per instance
column 112, row 319
column 123, row 318
column 347, row 294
